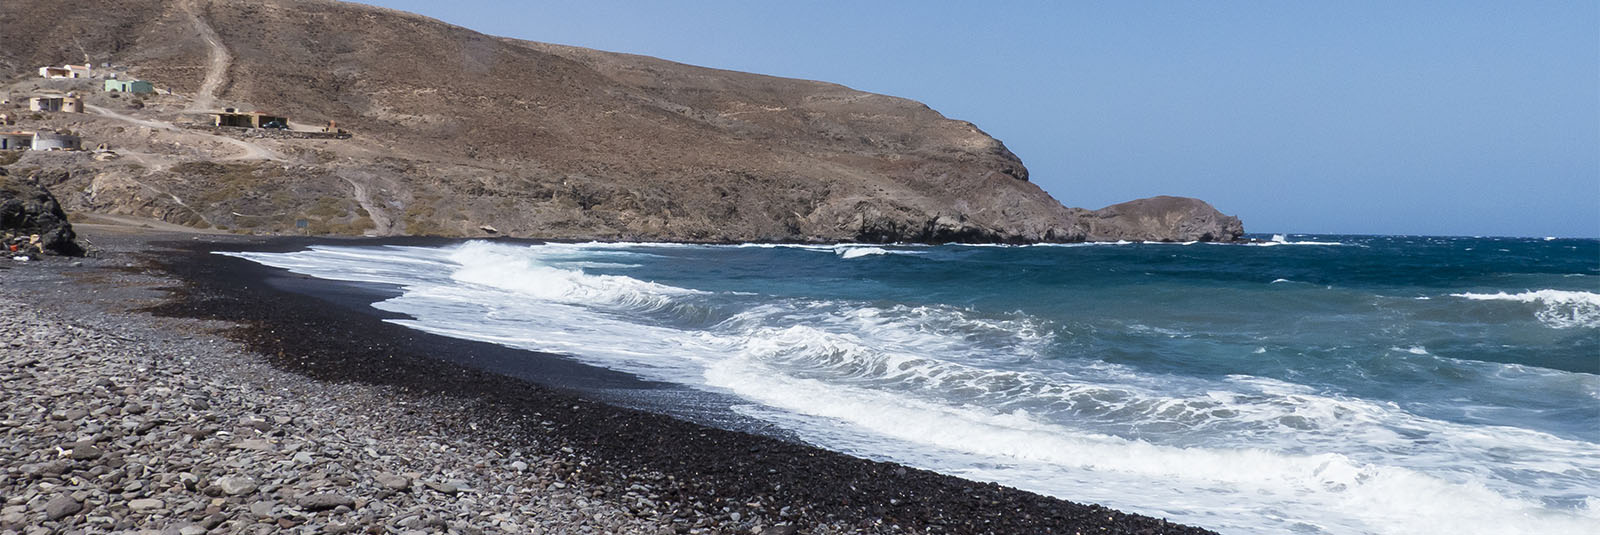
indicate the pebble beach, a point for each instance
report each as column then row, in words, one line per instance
column 140, row 398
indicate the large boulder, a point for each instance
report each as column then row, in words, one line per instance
column 1163, row 218
column 26, row 208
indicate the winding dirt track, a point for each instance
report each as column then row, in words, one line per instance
column 252, row 151
column 217, row 67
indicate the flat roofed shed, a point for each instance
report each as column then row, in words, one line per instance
column 247, row 120
column 16, row 140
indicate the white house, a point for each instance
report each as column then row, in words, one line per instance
column 66, row 71
column 69, row 104
column 54, row 141
column 16, row 140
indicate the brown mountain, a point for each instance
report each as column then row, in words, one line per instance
column 455, row 131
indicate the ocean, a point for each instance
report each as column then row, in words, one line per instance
column 1303, row 384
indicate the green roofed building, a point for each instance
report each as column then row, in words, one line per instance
column 137, row 87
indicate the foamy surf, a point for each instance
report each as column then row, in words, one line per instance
column 1038, row 395
column 1279, row 239
column 1559, row 309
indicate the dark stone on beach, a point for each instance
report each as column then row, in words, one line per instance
column 49, row 469
column 86, row 452
column 325, row 501
column 61, row 506
column 212, row 521
column 26, row 208
column 780, row 530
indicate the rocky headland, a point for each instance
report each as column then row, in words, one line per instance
column 457, row 133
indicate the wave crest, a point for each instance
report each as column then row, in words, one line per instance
column 1560, row 309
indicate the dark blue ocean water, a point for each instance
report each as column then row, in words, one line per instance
column 1309, row 384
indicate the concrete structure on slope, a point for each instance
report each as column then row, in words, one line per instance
column 229, row 117
column 16, row 140
column 66, row 71
column 137, row 87
column 54, row 141
column 69, row 104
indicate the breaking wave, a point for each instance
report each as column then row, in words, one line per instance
column 991, row 396
column 1559, row 309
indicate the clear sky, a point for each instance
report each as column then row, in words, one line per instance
column 1379, row 117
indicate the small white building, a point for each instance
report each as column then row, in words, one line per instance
column 67, row 71
column 16, row 140
column 68, row 104
column 54, row 141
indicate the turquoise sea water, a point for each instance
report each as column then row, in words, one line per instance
column 1309, row 384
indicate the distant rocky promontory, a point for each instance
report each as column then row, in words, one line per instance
column 456, row 133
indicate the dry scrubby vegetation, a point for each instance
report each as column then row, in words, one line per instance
column 455, row 130
column 273, row 197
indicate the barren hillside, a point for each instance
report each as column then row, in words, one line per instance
column 455, row 131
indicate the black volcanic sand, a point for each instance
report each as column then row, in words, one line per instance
column 333, row 336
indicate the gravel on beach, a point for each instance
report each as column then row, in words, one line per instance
column 129, row 423
column 113, row 419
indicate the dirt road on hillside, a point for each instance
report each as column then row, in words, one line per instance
column 252, row 151
column 216, row 68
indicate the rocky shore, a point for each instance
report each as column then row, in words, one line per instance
column 239, row 408
column 116, row 422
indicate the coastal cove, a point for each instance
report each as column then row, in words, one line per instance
column 705, row 478
column 740, row 268
column 1172, row 383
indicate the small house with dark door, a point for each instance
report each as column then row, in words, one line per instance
column 256, row 119
column 16, row 140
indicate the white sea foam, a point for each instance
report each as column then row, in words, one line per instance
column 844, row 250
column 858, row 252
column 940, row 387
column 1018, row 447
column 1559, row 309
column 1279, row 239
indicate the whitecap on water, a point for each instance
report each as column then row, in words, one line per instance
column 1559, row 309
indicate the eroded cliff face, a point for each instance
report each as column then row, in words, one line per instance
column 456, row 131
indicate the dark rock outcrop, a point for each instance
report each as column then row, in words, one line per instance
column 1161, row 218
column 26, row 208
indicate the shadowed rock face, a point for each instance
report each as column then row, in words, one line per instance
column 1161, row 219
column 456, row 130
column 27, row 209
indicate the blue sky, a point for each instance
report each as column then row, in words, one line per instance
column 1444, row 118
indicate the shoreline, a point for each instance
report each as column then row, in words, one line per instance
column 688, row 477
